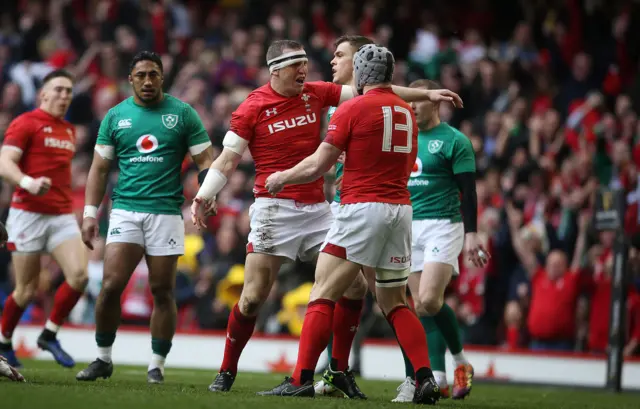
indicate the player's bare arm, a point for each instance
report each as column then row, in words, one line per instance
column 308, row 170
column 10, row 372
column 411, row 95
column 94, row 192
column 526, row 255
column 10, row 171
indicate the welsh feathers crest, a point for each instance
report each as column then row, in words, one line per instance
column 170, row 121
column 434, row 146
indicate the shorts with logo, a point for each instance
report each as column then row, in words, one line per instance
column 31, row 232
column 159, row 234
column 375, row 235
column 436, row 241
column 284, row 227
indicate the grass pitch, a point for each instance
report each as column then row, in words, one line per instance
column 52, row 387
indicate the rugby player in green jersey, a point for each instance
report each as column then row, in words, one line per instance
column 148, row 135
column 441, row 185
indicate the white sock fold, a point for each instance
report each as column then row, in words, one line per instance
column 157, row 361
column 460, row 358
column 441, row 378
column 104, row 354
column 51, row 326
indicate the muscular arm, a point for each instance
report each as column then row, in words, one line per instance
column 9, row 169
column 97, row 179
column 219, row 172
column 466, row 182
column 312, row 167
column 409, row 95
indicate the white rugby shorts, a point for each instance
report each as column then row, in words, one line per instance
column 375, row 235
column 436, row 241
column 31, row 232
column 284, row 227
column 159, row 234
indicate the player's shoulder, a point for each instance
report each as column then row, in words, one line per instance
column 175, row 102
column 255, row 100
column 455, row 134
column 319, row 86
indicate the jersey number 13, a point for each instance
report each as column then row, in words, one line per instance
column 390, row 127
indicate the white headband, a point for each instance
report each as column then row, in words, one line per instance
column 286, row 59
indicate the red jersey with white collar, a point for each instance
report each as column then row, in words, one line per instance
column 47, row 144
column 282, row 131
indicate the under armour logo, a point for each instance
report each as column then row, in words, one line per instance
column 270, row 112
column 353, row 328
column 47, row 129
column 233, row 340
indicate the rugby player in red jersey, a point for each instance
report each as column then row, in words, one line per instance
column 280, row 124
column 372, row 226
column 36, row 157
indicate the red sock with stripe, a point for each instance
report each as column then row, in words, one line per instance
column 65, row 299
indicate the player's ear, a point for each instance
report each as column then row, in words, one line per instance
column 130, row 78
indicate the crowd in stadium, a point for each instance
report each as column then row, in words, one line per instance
column 551, row 94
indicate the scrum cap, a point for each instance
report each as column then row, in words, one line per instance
column 372, row 65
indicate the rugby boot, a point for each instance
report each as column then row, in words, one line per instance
column 287, row 388
column 96, row 369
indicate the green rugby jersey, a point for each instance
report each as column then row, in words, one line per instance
column 443, row 152
column 150, row 144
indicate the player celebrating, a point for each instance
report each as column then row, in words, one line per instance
column 372, row 227
column 444, row 170
column 342, row 67
column 279, row 123
column 149, row 134
column 36, row 157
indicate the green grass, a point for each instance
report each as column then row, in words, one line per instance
column 50, row 387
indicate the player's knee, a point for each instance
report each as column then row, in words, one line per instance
column 113, row 286
column 78, row 280
column 358, row 289
column 250, row 303
column 429, row 304
column 162, row 294
column 24, row 294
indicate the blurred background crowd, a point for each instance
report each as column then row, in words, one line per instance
column 552, row 96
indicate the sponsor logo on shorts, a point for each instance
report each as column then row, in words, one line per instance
column 146, row 144
column 400, row 260
column 124, row 123
column 170, row 121
column 115, row 231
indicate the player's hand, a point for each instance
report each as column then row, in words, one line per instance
column 89, row 231
column 4, row 236
column 201, row 209
column 475, row 251
column 275, row 183
column 39, row 186
column 445, row 95
column 10, row 372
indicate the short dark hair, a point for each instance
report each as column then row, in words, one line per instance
column 57, row 74
column 146, row 56
column 277, row 47
column 425, row 83
column 354, row 41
